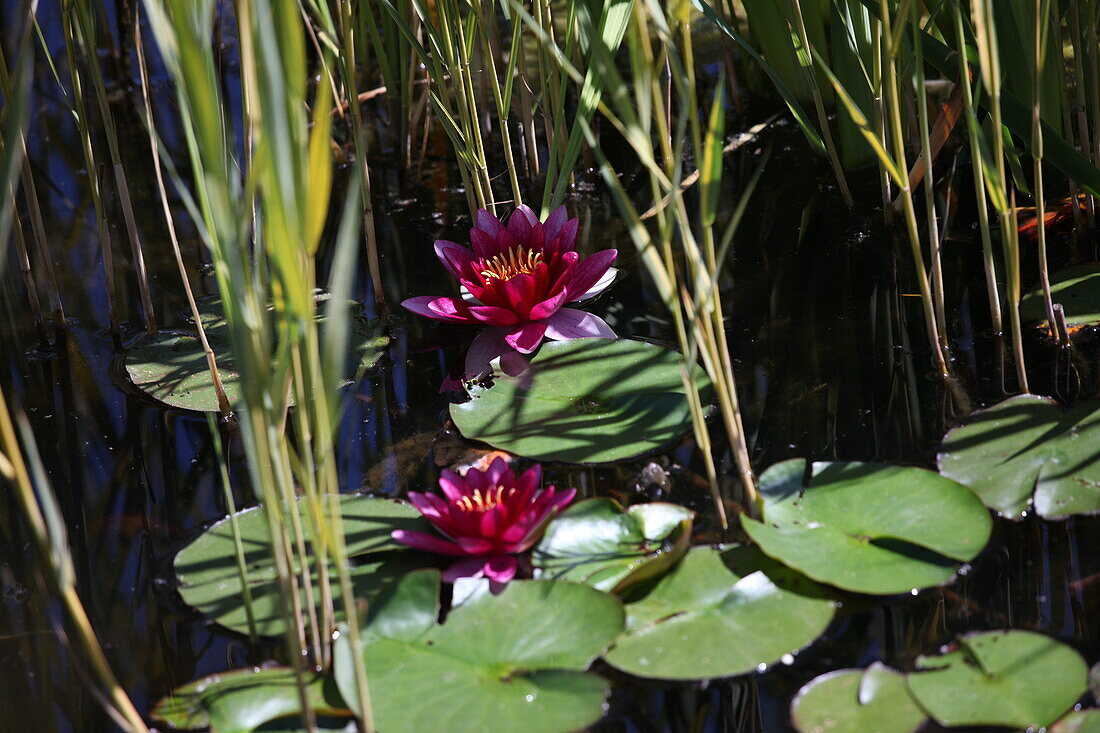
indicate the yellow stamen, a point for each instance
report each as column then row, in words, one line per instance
column 507, row 265
column 483, row 501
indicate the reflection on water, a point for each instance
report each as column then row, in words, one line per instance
column 829, row 353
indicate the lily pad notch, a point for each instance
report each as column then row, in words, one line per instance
column 868, row 527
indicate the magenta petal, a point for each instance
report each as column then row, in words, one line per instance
column 488, row 223
column 475, row 480
column 530, row 478
column 424, row 505
column 601, row 285
column 492, row 522
column 441, row 309
column 484, row 244
column 493, row 315
column 549, row 306
column 589, row 271
column 453, row 256
column 500, row 568
column 567, row 238
column 562, row 499
column 528, row 212
column 487, row 345
column 453, row 485
column 471, row 567
column 505, row 241
column 555, row 222
column 520, row 293
column 520, row 223
column 426, row 542
column 570, row 323
column 473, row 545
column 563, row 273
column 536, row 240
column 498, row 473
column 527, row 337
column 513, row 536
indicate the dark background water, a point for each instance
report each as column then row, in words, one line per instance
column 829, row 352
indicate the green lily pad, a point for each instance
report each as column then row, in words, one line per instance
column 1025, row 450
column 868, row 527
column 874, row 700
column 1079, row 721
column 243, row 700
column 720, row 613
column 171, row 366
column 1017, row 679
column 209, row 579
column 507, row 662
column 597, row 543
column 1077, row 289
column 584, row 401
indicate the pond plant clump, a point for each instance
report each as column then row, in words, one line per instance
column 829, row 456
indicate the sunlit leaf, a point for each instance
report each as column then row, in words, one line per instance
column 868, row 527
column 597, row 543
column 1017, row 679
column 720, row 613
column 872, row 700
column 507, row 662
column 1025, row 449
column 584, row 401
column 209, row 576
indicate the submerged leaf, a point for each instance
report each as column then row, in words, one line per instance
column 1017, row 679
column 868, row 527
column 507, row 662
column 171, row 366
column 718, row 614
column 587, row 400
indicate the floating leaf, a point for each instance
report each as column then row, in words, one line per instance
column 1017, row 679
column 718, row 614
column 874, row 700
column 868, row 527
column 1077, row 289
column 1025, row 449
column 1079, row 721
column 245, row 699
column 507, row 662
column 597, row 543
column 171, row 366
column 584, row 401
column 209, row 579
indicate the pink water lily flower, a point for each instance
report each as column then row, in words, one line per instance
column 516, row 281
column 487, row 518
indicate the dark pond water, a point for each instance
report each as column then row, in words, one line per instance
column 829, row 352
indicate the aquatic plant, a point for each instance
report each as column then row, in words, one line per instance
column 488, row 517
column 585, row 401
column 517, row 280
